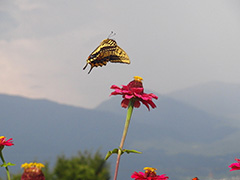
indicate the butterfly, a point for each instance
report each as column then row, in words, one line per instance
column 107, row 51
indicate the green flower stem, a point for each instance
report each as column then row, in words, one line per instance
column 127, row 122
column 8, row 174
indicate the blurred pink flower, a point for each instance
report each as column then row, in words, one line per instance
column 134, row 90
column 235, row 166
column 3, row 141
column 149, row 174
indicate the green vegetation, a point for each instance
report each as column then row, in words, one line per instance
column 83, row 166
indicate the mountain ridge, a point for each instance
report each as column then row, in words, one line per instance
column 215, row 97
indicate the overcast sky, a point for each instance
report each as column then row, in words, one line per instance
column 172, row 44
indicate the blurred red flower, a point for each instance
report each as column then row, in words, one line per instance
column 135, row 90
column 3, row 141
column 235, row 166
column 149, row 174
column 32, row 171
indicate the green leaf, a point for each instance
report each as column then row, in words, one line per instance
column 7, row 164
column 132, row 151
column 110, row 153
column 115, row 151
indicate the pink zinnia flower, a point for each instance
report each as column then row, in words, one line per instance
column 134, row 90
column 3, row 141
column 149, row 174
column 235, row 166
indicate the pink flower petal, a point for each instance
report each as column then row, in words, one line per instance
column 238, row 160
column 137, row 104
column 128, row 96
column 137, row 90
column 138, row 176
column 3, row 141
column 120, row 91
column 126, row 92
column 162, row 177
column 125, row 87
column 144, row 97
column 114, row 87
column 235, row 166
column 142, row 176
column 134, row 90
column 151, row 104
column 125, row 103
column 115, row 93
column 153, row 95
column 146, row 104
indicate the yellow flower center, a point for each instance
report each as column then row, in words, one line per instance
column 150, row 169
column 1, row 137
column 138, row 78
column 32, row 164
column 150, row 172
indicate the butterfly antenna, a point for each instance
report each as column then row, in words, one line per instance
column 111, row 34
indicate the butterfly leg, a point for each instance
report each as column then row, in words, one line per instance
column 85, row 66
column 90, row 69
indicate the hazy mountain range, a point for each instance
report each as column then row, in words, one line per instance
column 221, row 99
column 192, row 132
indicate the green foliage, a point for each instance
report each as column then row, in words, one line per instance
column 16, row 177
column 49, row 175
column 84, row 166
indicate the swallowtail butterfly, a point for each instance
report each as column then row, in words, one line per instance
column 107, row 51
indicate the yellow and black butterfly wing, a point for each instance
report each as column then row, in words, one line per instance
column 119, row 56
column 107, row 51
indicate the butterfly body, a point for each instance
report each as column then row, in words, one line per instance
column 107, row 51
